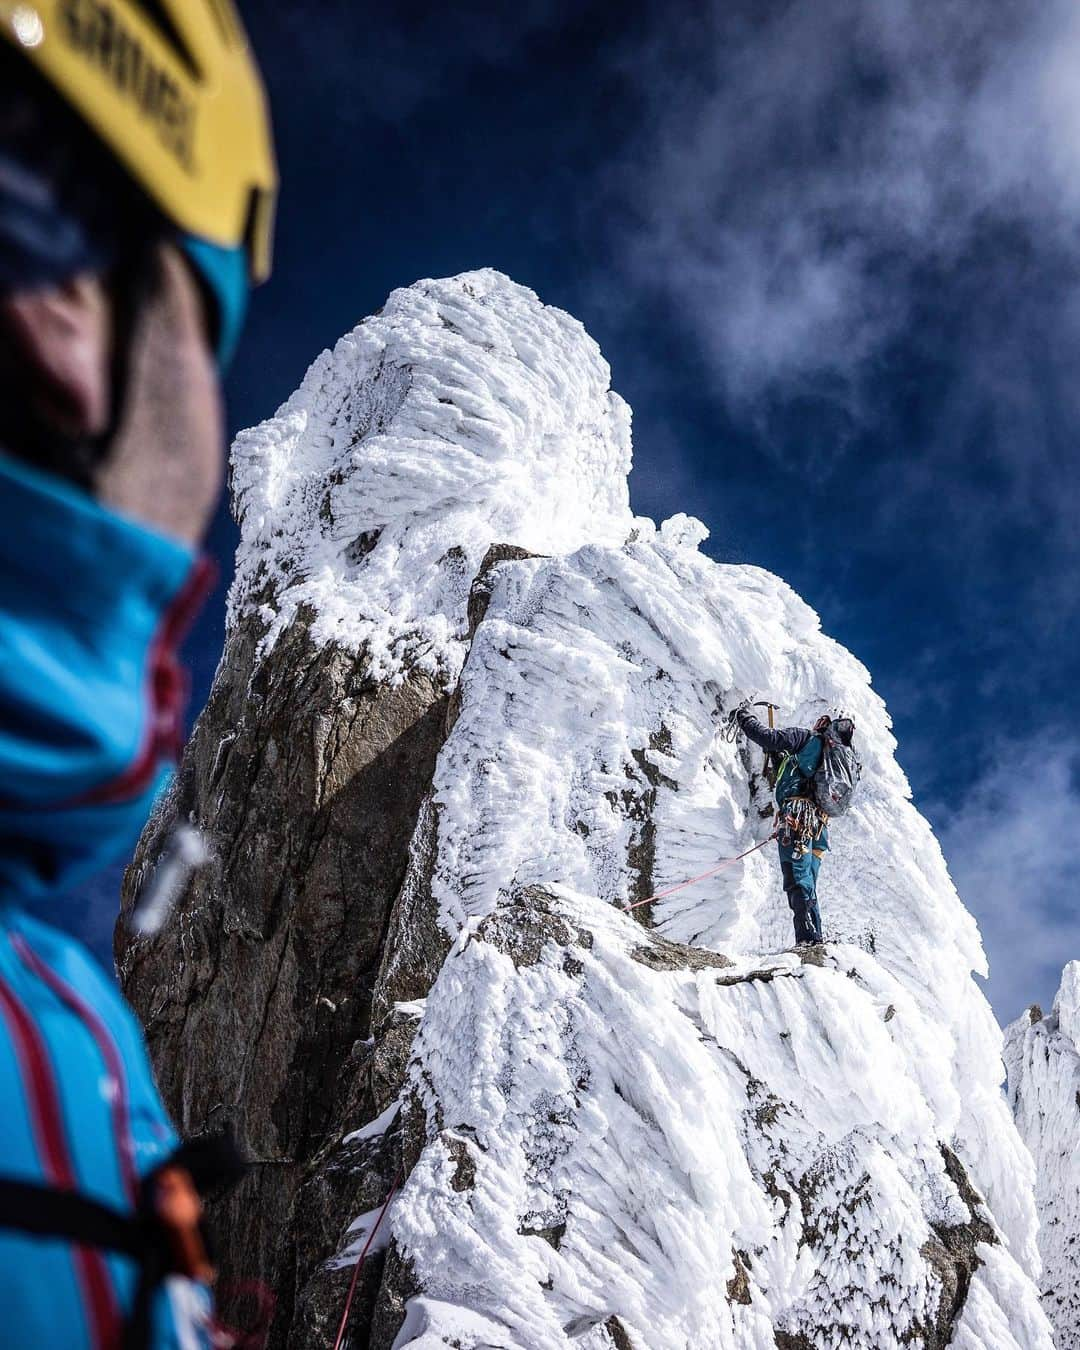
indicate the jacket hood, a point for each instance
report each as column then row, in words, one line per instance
column 92, row 606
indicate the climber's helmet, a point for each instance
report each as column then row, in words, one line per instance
column 841, row 726
column 170, row 90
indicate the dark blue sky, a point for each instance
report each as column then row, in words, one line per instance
column 830, row 260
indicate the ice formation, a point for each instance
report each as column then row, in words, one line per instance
column 457, row 416
column 1042, row 1055
column 709, row 1144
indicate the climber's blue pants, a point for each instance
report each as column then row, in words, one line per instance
column 800, row 886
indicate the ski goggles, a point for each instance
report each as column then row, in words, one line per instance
column 225, row 272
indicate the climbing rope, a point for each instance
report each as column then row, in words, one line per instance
column 360, row 1263
column 728, row 862
column 253, row 1337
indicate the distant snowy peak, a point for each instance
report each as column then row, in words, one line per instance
column 465, row 413
column 1067, row 1006
column 1042, row 1056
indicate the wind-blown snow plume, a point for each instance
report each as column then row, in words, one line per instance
column 1042, row 1055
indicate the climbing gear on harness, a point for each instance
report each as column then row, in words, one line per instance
column 834, row 781
column 728, row 862
column 185, row 852
column 360, row 1262
column 179, row 1212
column 163, row 1234
column 258, row 1320
column 799, row 823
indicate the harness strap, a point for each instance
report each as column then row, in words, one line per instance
column 163, row 1235
column 45, row 1211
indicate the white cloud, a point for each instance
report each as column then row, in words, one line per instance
column 1011, row 841
column 809, row 163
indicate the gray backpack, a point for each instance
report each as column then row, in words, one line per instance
column 836, row 777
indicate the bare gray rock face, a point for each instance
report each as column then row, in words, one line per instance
column 257, row 997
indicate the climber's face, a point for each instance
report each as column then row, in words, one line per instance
column 164, row 464
column 167, row 464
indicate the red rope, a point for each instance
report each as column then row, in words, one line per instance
column 728, row 862
column 360, row 1263
column 249, row 1338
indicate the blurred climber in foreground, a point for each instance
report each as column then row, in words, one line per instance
column 137, row 185
column 816, row 773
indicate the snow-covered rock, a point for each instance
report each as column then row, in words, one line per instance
column 460, row 415
column 650, row 1129
column 704, row 1152
column 1042, row 1055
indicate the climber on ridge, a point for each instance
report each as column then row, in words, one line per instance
column 137, row 187
column 802, row 825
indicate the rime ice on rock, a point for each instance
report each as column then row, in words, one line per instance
column 661, row 1131
column 463, row 413
column 583, row 762
column 1042, row 1056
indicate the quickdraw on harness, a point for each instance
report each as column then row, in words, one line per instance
column 799, row 823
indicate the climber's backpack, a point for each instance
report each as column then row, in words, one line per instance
column 834, row 781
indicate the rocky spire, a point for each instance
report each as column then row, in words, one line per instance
column 466, row 712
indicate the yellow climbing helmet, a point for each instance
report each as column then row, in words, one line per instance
column 171, row 87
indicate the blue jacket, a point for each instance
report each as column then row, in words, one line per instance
column 799, row 752
column 91, row 606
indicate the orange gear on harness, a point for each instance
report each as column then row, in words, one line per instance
column 799, row 823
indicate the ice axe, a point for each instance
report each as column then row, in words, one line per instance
column 771, row 763
column 730, row 730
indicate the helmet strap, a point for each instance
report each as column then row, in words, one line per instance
column 134, row 283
